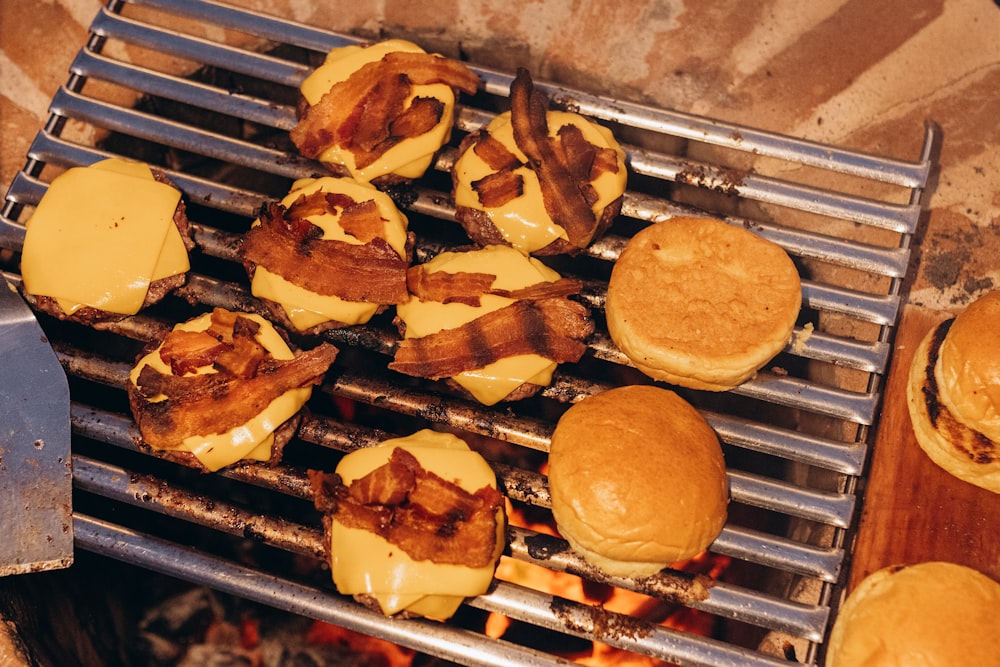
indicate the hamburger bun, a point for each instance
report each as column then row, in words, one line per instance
column 931, row 613
column 634, row 520
column 953, row 394
column 702, row 304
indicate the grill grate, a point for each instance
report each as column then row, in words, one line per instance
column 223, row 144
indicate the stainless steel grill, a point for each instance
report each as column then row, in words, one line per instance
column 218, row 129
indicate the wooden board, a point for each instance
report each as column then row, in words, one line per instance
column 913, row 510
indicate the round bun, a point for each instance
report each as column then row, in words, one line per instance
column 634, row 520
column 951, row 379
column 700, row 303
column 969, row 370
column 932, row 613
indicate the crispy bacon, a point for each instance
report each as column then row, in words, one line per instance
column 552, row 328
column 578, row 153
column 605, row 160
column 243, row 358
column 423, row 514
column 461, row 287
column 493, row 152
column 544, row 290
column 420, row 117
column 498, row 188
column 359, row 112
column 284, row 244
column 218, row 402
column 465, row 287
column 186, row 351
column 564, row 201
column 362, row 220
column 379, row 107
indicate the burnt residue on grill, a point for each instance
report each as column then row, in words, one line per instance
column 597, row 622
column 723, row 180
column 542, row 547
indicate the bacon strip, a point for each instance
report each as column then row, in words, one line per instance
column 423, row 514
column 544, row 290
column 578, row 153
column 362, row 220
column 551, row 328
column 563, row 199
column 461, row 287
column 370, row 273
column 498, row 188
column 465, row 287
column 493, row 152
column 343, row 113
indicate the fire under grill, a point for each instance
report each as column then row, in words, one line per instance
column 157, row 82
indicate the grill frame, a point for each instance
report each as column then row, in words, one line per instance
column 845, row 458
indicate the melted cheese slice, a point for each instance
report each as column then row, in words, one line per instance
column 523, row 221
column 252, row 440
column 307, row 309
column 408, row 159
column 493, row 382
column 365, row 563
column 100, row 235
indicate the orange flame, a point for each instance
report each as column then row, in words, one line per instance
column 326, row 633
column 637, row 605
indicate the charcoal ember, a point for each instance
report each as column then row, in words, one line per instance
column 203, row 628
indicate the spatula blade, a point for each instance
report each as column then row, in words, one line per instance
column 36, row 478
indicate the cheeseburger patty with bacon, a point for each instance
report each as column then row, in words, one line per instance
column 221, row 388
column 492, row 321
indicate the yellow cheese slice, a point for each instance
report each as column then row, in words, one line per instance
column 306, row 309
column 100, row 235
column 365, row 563
column 408, row 159
column 523, row 221
column 492, row 383
column 254, row 439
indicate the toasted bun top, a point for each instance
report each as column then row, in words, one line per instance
column 969, row 367
column 701, row 303
column 933, row 613
column 637, row 479
column 962, row 451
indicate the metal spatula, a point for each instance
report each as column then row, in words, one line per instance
column 36, row 479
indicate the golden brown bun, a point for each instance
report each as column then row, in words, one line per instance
column 637, row 479
column 932, row 613
column 969, row 372
column 702, row 304
column 954, row 374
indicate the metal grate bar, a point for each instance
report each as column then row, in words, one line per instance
column 279, row 71
column 125, row 486
column 234, row 103
column 435, row 639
